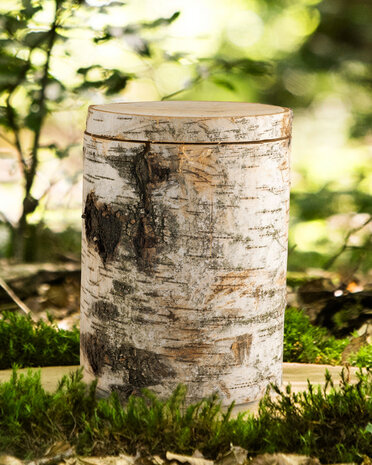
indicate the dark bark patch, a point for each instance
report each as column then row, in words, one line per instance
column 94, row 349
column 122, row 288
column 141, row 368
column 103, row 227
column 105, row 310
column 122, row 391
column 138, row 368
column 148, row 173
column 241, row 348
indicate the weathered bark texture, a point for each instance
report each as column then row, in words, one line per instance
column 185, row 247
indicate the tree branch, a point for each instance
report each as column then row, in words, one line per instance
column 41, row 102
column 16, row 299
column 331, row 261
column 35, row 146
column 190, row 85
column 14, row 127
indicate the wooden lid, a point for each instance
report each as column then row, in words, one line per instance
column 189, row 122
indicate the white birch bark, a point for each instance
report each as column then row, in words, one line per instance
column 184, row 252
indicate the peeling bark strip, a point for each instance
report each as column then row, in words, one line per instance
column 241, row 348
column 184, row 247
column 102, row 226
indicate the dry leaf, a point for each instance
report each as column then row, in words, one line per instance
column 236, row 456
column 57, row 452
column 157, row 460
column 70, row 461
column 188, row 459
column 109, row 460
column 58, row 448
column 9, row 460
column 284, row 459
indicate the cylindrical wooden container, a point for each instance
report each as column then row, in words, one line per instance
column 185, row 247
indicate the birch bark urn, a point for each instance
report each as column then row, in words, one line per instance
column 184, row 252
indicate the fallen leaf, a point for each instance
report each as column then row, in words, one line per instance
column 236, row 456
column 188, row 459
column 57, row 452
column 58, row 448
column 109, row 460
column 9, row 460
column 367, row 460
column 157, row 460
column 284, row 459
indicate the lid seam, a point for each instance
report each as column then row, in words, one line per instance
column 139, row 141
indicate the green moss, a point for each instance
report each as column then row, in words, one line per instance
column 363, row 358
column 36, row 344
column 305, row 343
column 329, row 423
column 343, row 317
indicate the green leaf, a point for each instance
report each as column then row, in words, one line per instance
column 12, row 24
column 245, row 65
column 224, row 83
column 35, row 38
column 32, row 120
column 28, row 9
column 107, row 36
column 161, row 21
column 84, row 71
column 87, row 85
column 116, row 82
column 11, row 70
column 369, row 428
column 64, row 152
column 4, row 121
column 113, row 84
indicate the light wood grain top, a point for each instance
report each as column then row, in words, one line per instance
column 182, row 109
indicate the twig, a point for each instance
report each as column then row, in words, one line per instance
column 364, row 250
column 15, row 299
column 331, row 261
column 191, row 84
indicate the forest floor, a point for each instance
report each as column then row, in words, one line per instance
column 344, row 309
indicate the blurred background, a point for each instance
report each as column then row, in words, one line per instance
column 58, row 56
